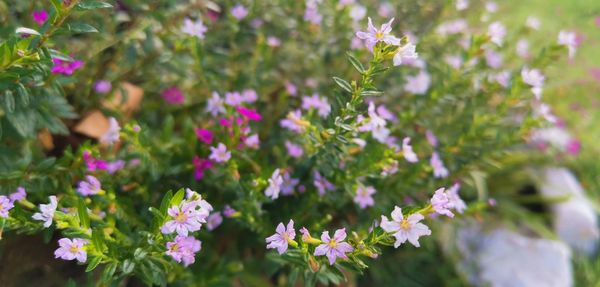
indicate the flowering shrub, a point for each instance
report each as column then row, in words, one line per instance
column 366, row 125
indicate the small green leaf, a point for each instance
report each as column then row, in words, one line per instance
column 356, row 63
column 80, row 28
column 371, row 93
column 9, row 101
column 109, row 271
column 90, row 5
column 178, row 197
column 60, row 56
column 127, row 266
column 93, row 263
column 23, row 95
column 343, row 84
column 164, row 204
column 27, row 31
column 84, row 217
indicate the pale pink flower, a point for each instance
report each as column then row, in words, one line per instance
column 405, row 229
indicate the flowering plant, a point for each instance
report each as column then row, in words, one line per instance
column 257, row 120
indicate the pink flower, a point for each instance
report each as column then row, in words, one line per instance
column 39, row 17
column 112, row 134
column 249, row 114
column 275, row 182
column 214, row 220
column 215, row 105
column 252, row 141
column 319, row 103
column 535, row 79
column 405, row 228
column 322, row 184
column 249, row 96
column 46, row 213
column 455, row 201
column 293, row 122
column 5, row 206
column 568, row 39
column 497, row 32
column 441, row 203
column 173, row 96
column 334, row 247
column 311, row 14
column 373, row 35
column 219, row 153
column 93, row 163
column 71, row 249
column 18, row 195
column 288, row 184
column 291, row 88
column 89, row 186
column 406, row 52
column 294, row 150
column 439, row 170
column 574, row 146
column 431, row 138
column 65, row 67
column 102, row 86
column 185, row 217
column 233, row 99
column 273, row 41
column 204, row 135
column 184, row 249
column 282, row 236
column 192, row 28
column 239, row 12
column 200, row 165
column 364, row 196
column 418, row 84
column 408, row 152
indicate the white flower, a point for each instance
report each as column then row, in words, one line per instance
column 194, row 28
column 112, row 134
column 533, row 22
column 497, row 31
column 418, row 84
column 220, row 153
column 568, row 39
column 405, row 52
column 47, row 212
column 535, row 79
column 408, row 152
column 405, row 228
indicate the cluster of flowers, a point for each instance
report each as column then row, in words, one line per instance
column 402, row 228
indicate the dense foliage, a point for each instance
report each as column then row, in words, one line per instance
column 164, row 141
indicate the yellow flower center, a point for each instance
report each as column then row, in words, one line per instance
column 74, row 249
column 174, row 247
column 180, row 217
column 379, row 35
column 404, row 224
column 332, row 244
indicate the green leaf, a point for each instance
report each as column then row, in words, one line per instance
column 343, row 84
column 84, row 217
column 178, row 197
column 27, row 31
column 80, row 28
column 90, row 5
column 164, row 205
column 93, row 263
column 60, row 56
column 23, row 121
column 356, row 63
column 371, row 93
column 109, row 271
column 9, row 101
column 23, row 95
column 127, row 266
column 98, row 239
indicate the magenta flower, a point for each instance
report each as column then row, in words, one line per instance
column 184, row 249
column 294, row 150
column 239, row 12
column 573, row 147
column 275, row 182
column 39, row 17
column 185, row 218
column 5, row 206
column 93, row 163
column 454, row 199
column 71, row 249
column 441, row 203
column 334, row 247
column 102, row 87
column 112, row 134
column 18, row 195
column 373, row 35
column 90, row 186
column 408, row 152
column 173, row 96
column 322, row 184
column 65, row 67
column 249, row 114
column 219, row 153
column 47, row 212
column 204, row 135
column 364, row 196
column 439, row 170
column 282, row 236
column 214, row 220
column 405, row 228
column 192, row 28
